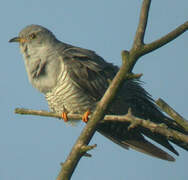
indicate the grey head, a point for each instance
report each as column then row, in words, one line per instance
column 39, row 48
column 34, row 37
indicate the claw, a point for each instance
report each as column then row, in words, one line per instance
column 64, row 116
column 85, row 116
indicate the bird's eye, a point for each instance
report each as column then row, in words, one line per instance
column 32, row 36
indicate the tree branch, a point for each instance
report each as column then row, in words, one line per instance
column 147, row 48
column 172, row 113
column 139, row 37
column 128, row 118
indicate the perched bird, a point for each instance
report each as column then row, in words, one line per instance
column 74, row 79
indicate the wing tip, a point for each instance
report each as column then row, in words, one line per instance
column 170, row 158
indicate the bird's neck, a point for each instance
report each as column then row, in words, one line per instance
column 42, row 66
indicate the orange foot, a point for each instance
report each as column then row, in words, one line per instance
column 85, row 116
column 64, row 116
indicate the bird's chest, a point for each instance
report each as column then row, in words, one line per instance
column 67, row 97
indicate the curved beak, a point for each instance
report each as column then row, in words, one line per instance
column 17, row 39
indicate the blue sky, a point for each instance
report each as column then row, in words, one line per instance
column 33, row 147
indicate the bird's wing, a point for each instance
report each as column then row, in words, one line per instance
column 92, row 74
column 88, row 71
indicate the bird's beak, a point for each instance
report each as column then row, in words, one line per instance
column 18, row 39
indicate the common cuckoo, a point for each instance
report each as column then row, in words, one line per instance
column 74, row 79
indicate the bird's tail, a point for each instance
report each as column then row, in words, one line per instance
column 132, row 139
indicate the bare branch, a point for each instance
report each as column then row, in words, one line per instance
column 37, row 113
column 147, row 48
column 172, row 113
column 139, row 37
column 128, row 118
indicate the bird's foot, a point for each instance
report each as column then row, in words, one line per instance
column 64, row 116
column 85, row 116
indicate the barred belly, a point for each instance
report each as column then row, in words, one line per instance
column 68, row 97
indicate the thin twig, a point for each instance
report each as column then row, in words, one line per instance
column 134, row 76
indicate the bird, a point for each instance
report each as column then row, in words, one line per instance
column 74, row 79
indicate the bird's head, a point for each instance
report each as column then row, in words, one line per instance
column 38, row 46
column 33, row 37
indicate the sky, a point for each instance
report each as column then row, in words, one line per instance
column 33, row 147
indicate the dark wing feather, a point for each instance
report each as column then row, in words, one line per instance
column 139, row 143
column 88, row 71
